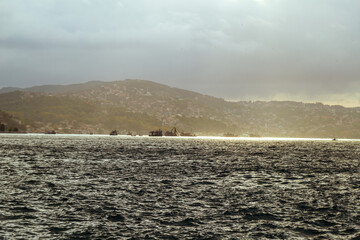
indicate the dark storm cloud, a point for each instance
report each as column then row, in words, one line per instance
column 233, row 49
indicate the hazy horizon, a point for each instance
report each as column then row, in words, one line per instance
column 236, row 50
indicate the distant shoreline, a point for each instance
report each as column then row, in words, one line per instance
column 185, row 137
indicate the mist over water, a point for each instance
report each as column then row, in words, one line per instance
column 103, row 187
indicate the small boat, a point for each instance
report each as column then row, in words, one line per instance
column 113, row 133
column 156, row 133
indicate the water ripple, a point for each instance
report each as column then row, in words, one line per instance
column 81, row 187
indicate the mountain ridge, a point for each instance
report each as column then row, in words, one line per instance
column 68, row 88
column 53, row 88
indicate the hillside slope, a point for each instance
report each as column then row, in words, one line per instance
column 9, row 123
column 140, row 106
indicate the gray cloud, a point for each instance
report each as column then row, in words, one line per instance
column 232, row 49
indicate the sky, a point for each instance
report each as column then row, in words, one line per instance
column 298, row 50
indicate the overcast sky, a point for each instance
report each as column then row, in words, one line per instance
column 236, row 49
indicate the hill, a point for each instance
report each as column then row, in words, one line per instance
column 140, row 106
column 44, row 112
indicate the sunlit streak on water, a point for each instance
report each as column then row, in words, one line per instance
column 190, row 137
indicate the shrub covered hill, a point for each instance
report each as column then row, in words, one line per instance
column 139, row 106
column 9, row 123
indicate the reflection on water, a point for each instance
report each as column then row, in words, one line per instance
column 102, row 187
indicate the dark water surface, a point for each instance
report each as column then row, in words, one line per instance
column 102, row 187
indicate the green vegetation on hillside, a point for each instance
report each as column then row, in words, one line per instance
column 140, row 106
column 10, row 124
column 203, row 125
column 69, row 114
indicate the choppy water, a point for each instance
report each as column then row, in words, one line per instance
column 92, row 187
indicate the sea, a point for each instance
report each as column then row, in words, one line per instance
column 123, row 187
